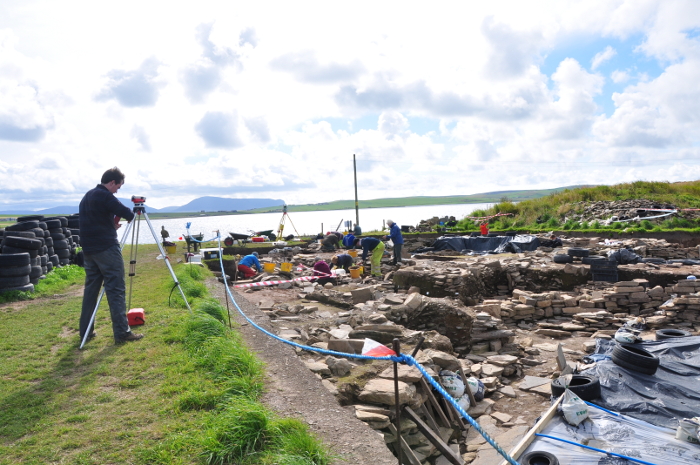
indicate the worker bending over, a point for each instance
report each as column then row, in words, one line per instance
column 343, row 261
column 329, row 243
column 397, row 238
column 371, row 244
column 247, row 263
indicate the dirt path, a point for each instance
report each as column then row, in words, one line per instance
column 294, row 391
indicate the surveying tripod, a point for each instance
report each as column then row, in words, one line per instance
column 139, row 209
column 280, row 230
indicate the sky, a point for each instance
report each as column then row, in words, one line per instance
column 272, row 99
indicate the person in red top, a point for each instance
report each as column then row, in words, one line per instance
column 322, row 270
column 484, row 228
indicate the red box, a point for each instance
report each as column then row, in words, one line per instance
column 135, row 317
column 258, row 239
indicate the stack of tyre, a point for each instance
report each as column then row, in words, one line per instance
column 62, row 238
column 24, row 257
column 74, row 228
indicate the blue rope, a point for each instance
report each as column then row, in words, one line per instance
column 192, row 239
column 593, row 448
column 401, row 358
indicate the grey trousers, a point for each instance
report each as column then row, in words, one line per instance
column 397, row 253
column 105, row 267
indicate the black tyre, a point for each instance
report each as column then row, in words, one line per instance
column 36, row 261
column 48, row 242
column 593, row 258
column 64, row 261
column 23, row 242
column 76, row 238
column 23, row 226
column 60, row 244
column 30, row 234
column 50, row 251
column 49, row 267
column 74, row 223
column 42, row 226
column 15, row 271
column 35, row 273
column 14, row 281
column 578, row 252
column 43, row 259
column 52, row 224
column 63, row 253
column 22, row 219
column 538, row 457
column 25, row 288
column 657, row 261
column 228, row 241
column 635, row 358
column 18, row 259
column 6, row 249
column 671, row 334
column 57, row 237
column 587, row 387
column 54, row 259
column 511, row 234
column 562, row 258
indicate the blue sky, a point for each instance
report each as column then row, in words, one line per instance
column 272, row 100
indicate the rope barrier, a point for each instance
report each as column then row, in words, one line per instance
column 401, row 358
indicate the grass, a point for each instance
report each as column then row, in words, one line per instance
column 550, row 212
column 188, row 393
column 56, row 281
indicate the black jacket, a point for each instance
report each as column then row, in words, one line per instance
column 97, row 211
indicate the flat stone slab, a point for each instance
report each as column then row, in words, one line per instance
column 530, row 382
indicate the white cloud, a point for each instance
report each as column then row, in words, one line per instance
column 619, row 76
column 602, row 57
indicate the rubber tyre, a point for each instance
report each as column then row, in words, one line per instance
column 14, row 281
column 48, row 242
column 562, row 258
column 23, row 242
column 578, row 252
column 54, row 260
column 60, row 244
column 63, row 253
column 23, row 226
column 42, row 226
column 6, row 249
column 49, row 267
column 25, row 288
column 22, row 219
column 43, row 259
column 228, row 241
column 52, row 224
column 658, row 261
column 36, row 272
column 15, row 270
column 635, row 358
column 538, row 457
column 593, row 258
column 30, row 234
column 587, row 387
column 58, row 236
column 664, row 334
column 17, row 259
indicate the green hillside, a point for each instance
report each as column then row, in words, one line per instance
column 566, row 209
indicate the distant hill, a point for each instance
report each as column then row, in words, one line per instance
column 221, row 204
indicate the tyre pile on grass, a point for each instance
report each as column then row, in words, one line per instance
column 33, row 247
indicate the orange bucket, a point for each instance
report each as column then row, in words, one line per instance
column 286, row 267
column 269, row 267
column 352, row 253
column 355, row 271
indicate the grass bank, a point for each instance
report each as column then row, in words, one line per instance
column 188, row 393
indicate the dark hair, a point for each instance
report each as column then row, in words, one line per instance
column 357, row 240
column 112, row 174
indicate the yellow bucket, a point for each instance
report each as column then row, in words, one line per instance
column 286, row 267
column 269, row 267
column 352, row 253
column 171, row 249
column 355, row 271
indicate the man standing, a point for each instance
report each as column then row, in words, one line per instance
column 99, row 220
column 397, row 238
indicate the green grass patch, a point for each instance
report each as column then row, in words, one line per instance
column 188, row 393
column 56, row 282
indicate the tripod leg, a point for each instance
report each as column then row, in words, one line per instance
column 102, row 292
column 166, row 260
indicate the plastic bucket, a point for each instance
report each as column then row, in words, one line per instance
column 171, row 249
column 286, row 267
column 269, row 267
column 355, row 271
column 352, row 253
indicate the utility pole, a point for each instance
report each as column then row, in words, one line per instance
column 357, row 208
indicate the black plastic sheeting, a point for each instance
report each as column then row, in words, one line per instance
column 484, row 245
column 662, row 399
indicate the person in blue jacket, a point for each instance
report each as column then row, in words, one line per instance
column 376, row 246
column 349, row 241
column 343, row 261
column 247, row 263
column 397, row 238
